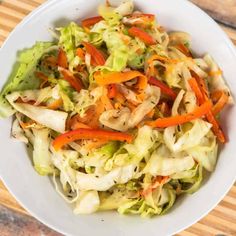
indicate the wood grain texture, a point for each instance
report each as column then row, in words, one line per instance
column 223, row 11
column 15, row 224
column 16, row 221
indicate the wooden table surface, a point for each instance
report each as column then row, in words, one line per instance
column 15, row 221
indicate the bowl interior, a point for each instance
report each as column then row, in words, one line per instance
column 37, row 194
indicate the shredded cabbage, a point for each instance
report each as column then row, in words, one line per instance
column 70, row 37
column 41, row 155
column 55, row 120
column 22, row 77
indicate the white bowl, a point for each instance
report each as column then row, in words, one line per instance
column 37, row 194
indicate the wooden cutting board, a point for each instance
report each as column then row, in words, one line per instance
column 15, row 221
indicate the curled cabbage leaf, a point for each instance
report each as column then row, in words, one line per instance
column 84, row 99
column 216, row 82
column 41, row 155
column 163, row 162
column 119, row 175
column 22, row 77
column 124, row 119
column 117, row 49
column 55, row 120
column 177, row 102
column 205, row 152
column 146, row 141
column 17, row 132
column 188, row 139
column 87, row 202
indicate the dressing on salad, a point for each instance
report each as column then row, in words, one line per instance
column 118, row 111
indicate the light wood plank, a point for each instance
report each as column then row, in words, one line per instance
column 20, row 4
column 186, row 233
column 222, row 11
column 204, row 229
column 9, row 4
column 11, row 12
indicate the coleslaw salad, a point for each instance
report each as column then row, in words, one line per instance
column 119, row 111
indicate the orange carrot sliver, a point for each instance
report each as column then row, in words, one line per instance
column 41, row 76
column 141, row 34
column 79, row 125
column 216, row 127
column 80, row 53
column 69, row 77
column 181, row 119
column 210, row 117
column 112, row 91
column 194, row 86
column 222, row 101
column 62, row 59
column 79, row 134
column 159, row 180
column 164, row 88
column 184, row 50
column 119, row 77
column 96, row 55
column 91, row 21
column 55, row 105
column 106, row 101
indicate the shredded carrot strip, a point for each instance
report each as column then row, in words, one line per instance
column 112, row 91
column 216, row 127
column 184, row 50
column 141, row 96
column 119, row 77
column 73, row 81
column 159, row 180
column 79, row 134
column 209, row 116
column 141, row 34
column 55, row 105
column 181, row 119
column 100, row 108
column 215, row 73
column 41, row 76
column 131, row 106
column 222, row 101
column 117, row 105
column 215, row 96
column 120, row 97
column 79, row 125
column 80, row 53
column 164, row 88
column 96, row 55
column 194, row 86
column 106, row 101
column 91, row 21
column 62, row 59
column 202, row 85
